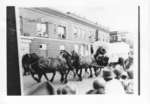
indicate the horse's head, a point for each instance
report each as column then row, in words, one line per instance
column 74, row 54
column 99, row 53
column 75, row 58
column 34, row 57
column 101, row 50
column 28, row 59
column 25, row 63
column 102, row 60
column 65, row 54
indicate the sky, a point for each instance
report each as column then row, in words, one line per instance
column 117, row 15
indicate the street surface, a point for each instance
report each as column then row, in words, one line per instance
column 81, row 87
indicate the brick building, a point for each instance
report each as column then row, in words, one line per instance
column 44, row 31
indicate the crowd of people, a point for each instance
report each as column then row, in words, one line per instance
column 113, row 81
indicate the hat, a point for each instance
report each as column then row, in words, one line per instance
column 100, row 91
column 108, row 74
column 59, row 91
column 124, row 75
column 97, row 84
column 91, row 92
column 117, row 72
column 68, row 90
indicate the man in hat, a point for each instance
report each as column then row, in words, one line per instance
column 118, row 70
column 98, row 87
column 66, row 90
column 113, row 85
column 127, row 83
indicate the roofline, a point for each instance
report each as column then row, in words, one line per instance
column 71, row 17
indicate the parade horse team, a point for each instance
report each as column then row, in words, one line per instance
column 66, row 62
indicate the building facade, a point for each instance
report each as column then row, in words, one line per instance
column 116, row 36
column 45, row 31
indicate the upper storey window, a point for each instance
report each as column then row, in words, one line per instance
column 75, row 32
column 41, row 29
column 32, row 27
column 61, row 32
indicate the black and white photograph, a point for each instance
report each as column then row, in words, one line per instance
column 74, row 51
column 70, row 51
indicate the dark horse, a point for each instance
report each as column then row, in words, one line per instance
column 75, row 63
column 100, row 60
column 100, row 57
column 68, row 57
column 97, row 61
column 41, row 66
column 27, row 59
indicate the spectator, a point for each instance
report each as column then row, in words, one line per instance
column 124, row 79
column 113, row 86
column 59, row 91
column 127, row 83
column 66, row 90
column 98, row 87
column 118, row 70
column 130, row 72
column 117, row 73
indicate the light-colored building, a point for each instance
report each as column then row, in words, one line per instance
column 44, row 31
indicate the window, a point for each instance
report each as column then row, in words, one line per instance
column 41, row 27
column 61, row 32
column 104, row 38
column 90, row 36
column 43, row 47
column 75, row 32
column 119, row 37
column 86, row 50
column 115, row 37
column 61, row 47
column 99, row 35
column 83, row 35
column 76, row 48
column 33, row 27
column 41, row 30
column 28, row 26
column 79, row 33
column 82, row 50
